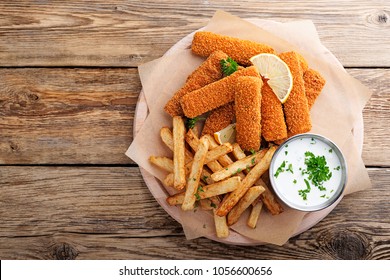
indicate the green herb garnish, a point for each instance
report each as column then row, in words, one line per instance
column 212, row 204
column 304, row 192
column 290, row 168
column 252, row 151
column 229, row 66
column 280, row 169
column 330, row 151
column 253, row 161
column 197, row 196
column 295, row 181
column 286, row 152
column 190, row 123
column 317, row 169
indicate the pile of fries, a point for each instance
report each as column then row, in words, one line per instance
column 220, row 178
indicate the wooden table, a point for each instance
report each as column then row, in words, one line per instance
column 68, row 91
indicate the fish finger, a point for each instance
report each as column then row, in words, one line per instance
column 209, row 71
column 248, row 116
column 219, row 119
column 214, row 95
column 296, row 108
column 273, row 125
column 314, row 83
column 204, row 43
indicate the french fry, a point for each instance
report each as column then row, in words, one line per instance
column 193, row 141
column 238, row 153
column 243, row 204
column 162, row 162
column 179, row 178
column 255, row 213
column 221, row 227
column 219, row 151
column 175, row 199
column 238, row 166
column 167, row 137
column 218, row 188
column 194, row 178
column 269, row 199
column 224, row 160
column 248, row 181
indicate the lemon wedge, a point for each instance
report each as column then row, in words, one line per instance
column 228, row 134
column 276, row 71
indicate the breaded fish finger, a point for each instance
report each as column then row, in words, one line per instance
column 296, row 109
column 209, row 71
column 248, row 116
column 214, row 95
column 314, row 83
column 204, row 43
column 273, row 125
column 219, row 118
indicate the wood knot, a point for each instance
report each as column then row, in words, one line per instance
column 379, row 17
column 344, row 244
column 33, row 97
column 14, row 147
column 65, row 251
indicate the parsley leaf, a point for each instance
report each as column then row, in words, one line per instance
column 190, row 123
column 229, row 66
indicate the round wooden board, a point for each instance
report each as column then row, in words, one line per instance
column 309, row 220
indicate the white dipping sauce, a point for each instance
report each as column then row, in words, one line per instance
column 287, row 173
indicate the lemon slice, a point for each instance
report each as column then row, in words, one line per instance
column 276, row 71
column 228, row 134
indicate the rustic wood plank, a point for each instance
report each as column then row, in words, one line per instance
column 99, row 213
column 127, row 33
column 85, row 116
column 67, row 116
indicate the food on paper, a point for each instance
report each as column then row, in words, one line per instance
column 204, row 43
column 248, row 114
column 219, row 119
column 314, row 83
column 246, row 93
column 209, row 71
column 308, row 172
column 276, row 72
column 214, row 95
column 296, row 108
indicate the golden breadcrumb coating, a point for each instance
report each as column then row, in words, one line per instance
column 314, row 83
column 219, row 119
column 296, row 109
column 248, row 116
column 209, row 71
column 204, row 43
column 273, row 125
column 214, row 95
column 302, row 62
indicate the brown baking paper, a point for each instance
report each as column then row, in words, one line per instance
column 336, row 113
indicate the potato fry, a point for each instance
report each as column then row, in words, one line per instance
column 218, row 188
column 175, row 199
column 254, row 215
column 238, row 166
column 167, row 137
column 243, row 204
column 162, row 162
column 196, row 171
column 219, row 151
column 248, row 181
column 221, row 227
column 225, row 160
column 269, row 199
column 193, row 141
column 179, row 178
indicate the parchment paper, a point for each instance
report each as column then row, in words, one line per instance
column 334, row 115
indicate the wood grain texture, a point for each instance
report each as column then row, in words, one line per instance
column 127, row 33
column 85, row 116
column 67, row 116
column 99, row 213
